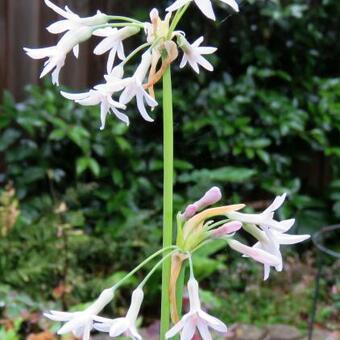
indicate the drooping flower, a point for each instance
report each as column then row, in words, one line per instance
column 73, row 21
column 193, row 54
column 211, row 197
column 258, row 255
column 270, row 242
column 196, row 319
column 266, row 218
column 204, row 5
column 57, row 54
column 102, row 94
column 127, row 325
column 113, row 42
column 81, row 323
column 134, row 88
column 77, row 31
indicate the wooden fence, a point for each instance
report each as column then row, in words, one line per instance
column 22, row 24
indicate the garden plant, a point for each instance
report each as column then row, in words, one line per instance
column 198, row 224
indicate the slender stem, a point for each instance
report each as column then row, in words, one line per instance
column 123, row 24
column 141, row 265
column 177, row 18
column 122, row 18
column 135, row 51
column 168, row 154
column 152, row 271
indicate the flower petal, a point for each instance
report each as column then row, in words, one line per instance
column 177, row 328
column 118, row 327
column 213, row 322
column 233, row 4
column 206, row 8
column 189, row 328
column 176, row 5
column 141, row 107
column 204, row 331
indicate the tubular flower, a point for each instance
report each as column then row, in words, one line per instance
column 102, row 94
column 134, row 88
column 266, row 218
column 127, row 325
column 193, row 54
column 204, row 5
column 258, row 255
column 73, row 21
column 270, row 241
column 81, row 323
column 196, row 319
column 113, row 42
column 57, row 54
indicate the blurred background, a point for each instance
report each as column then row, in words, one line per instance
column 79, row 207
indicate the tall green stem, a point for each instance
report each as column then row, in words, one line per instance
column 168, row 157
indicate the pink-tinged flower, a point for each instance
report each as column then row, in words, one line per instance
column 211, row 197
column 124, row 326
column 102, row 94
column 258, row 255
column 57, row 54
column 196, row 319
column 204, row 5
column 266, row 218
column 226, row 229
column 271, row 241
column 193, row 54
column 113, row 42
column 134, row 88
column 81, row 323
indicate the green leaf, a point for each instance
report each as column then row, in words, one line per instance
column 227, row 174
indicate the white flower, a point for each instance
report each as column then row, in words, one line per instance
column 127, row 325
column 102, row 94
column 196, row 318
column 72, row 21
column 271, row 241
column 204, row 5
column 57, row 54
column 266, row 218
column 113, row 42
column 134, row 88
column 78, row 30
column 193, row 54
column 81, row 323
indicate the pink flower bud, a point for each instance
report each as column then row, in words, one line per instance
column 226, row 229
column 211, row 197
column 190, row 211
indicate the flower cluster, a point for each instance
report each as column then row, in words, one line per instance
column 197, row 225
column 161, row 48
